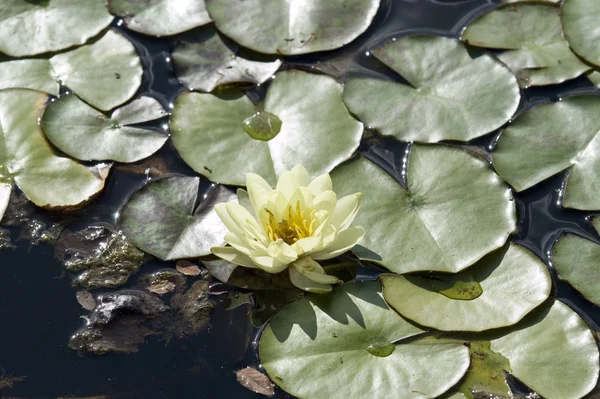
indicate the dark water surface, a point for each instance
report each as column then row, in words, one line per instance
column 38, row 310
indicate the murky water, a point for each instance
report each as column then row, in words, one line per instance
column 39, row 312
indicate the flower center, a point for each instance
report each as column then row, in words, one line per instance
column 295, row 224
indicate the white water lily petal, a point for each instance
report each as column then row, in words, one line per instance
column 287, row 183
column 306, row 284
column 243, row 219
column 344, row 241
column 312, row 270
column 234, row 256
column 301, row 175
column 277, row 204
column 325, row 201
column 307, row 245
column 244, row 200
column 281, row 252
column 303, row 195
column 269, row 264
column 320, row 184
column 345, row 211
column 236, row 242
column 221, row 210
column 258, row 190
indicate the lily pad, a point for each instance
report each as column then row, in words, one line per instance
column 554, row 353
column 105, row 74
column 449, row 95
column 532, row 35
column 486, row 374
column 455, row 211
column 345, row 345
column 35, row 74
column 28, row 159
column 549, row 139
column 160, row 17
column 203, row 61
column 577, row 261
column 292, row 27
column 507, row 284
column 316, row 130
column 33, row 27
column 87, row 134
column 580, row 26
column 160, row 218
column 5, row 190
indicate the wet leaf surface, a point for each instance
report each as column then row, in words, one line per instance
column 35, row 74
column 579, row 22
column 87, row 134
column 274, row 27
column 435, row 225
column 160, row 218
column 316, row 130
column 447, row 96
column 203, row 61
column 255, row 381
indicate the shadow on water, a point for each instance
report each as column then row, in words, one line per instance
column 38, row 310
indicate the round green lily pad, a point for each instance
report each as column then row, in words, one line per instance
column 203, row 61
column 448, row 95
column 292, row 27
column 105, row 74
column 29, row 27
column 348, row 344
column 497, row 291
column 577, row 261
column 580, row 26
column 27, row 158
column 549, row 139
column 316, row 130
column 160, row 218
column 160, row 17
column 455, row 211
column 532, row 35
column 553, row 352
column 35, row 74
column 87, row 134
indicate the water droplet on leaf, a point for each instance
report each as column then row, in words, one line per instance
column 381, row 350
column 262, row 126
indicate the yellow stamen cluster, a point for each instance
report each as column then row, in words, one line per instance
column 295, row 224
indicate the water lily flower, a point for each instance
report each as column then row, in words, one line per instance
column 295, row 224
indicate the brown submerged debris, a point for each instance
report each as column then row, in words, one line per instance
column 188, row 268
column 7, row 381
column 161, row 287
column 86, row 300
column 103, row 258
column 255, row 381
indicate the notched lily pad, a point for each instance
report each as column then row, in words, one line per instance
column 161, row 218
column 316, row 130
column 312, row 346
column 532, row 36
column 449, row 95
column 160, row 17
column 512, row 282
column 87, row 134
column 549, row 139
column 455, row 211
column 580, row 26
column 281, row 27
column 28, row 159
column 203, row 61
column 30, row 27
column 35, row 74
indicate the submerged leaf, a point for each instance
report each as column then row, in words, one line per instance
column 449, row 95
column 160, row 218
column 255, row 381
column 160, row 17
column 35, row 74
column 486, row 372
column 27, row 28
column 203, row 61
column 312, row 347
column 85, row 133
column 292, row 27
column 455, row 211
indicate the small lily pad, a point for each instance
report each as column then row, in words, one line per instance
column 87, row 134
column 316, row 130
column 580, row 26
column 203, row 61
column 512, row 281
column 348, row 344
column 455, row 211
column 549, row 139
column 34, row 27
column 292, row 27
column 486, row 373
column 28, row 159
column 553, row 352
column 105, row 74
column 5, row 190
column 532, row 35
column 160, row 17
column 449, row 95
column 577, row 261
column 160, row 218
column 35, row 74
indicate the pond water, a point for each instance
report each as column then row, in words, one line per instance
column 39, row 312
